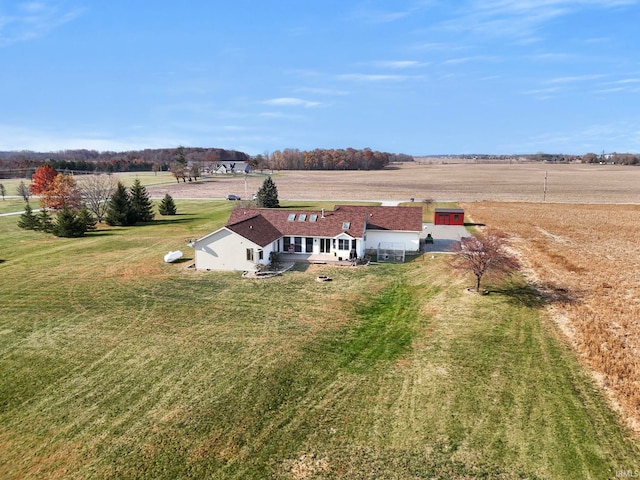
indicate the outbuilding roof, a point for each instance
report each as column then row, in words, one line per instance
column 448, row 210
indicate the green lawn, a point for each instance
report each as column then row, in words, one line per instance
column 114, row 364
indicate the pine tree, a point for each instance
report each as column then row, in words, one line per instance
column 87, row 218
column 44, row 221
column 69, row 224
column 28, row 220
column 167, row 206
column 267, row 196
column 119, row 211
column 141, row 203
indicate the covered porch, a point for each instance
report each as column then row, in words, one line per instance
column 315, row 258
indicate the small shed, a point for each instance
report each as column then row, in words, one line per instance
column 448, row 216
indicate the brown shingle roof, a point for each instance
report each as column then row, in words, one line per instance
column 256, row 229
column 246, row 221
column 388, row 218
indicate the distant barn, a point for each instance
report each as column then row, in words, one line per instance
column 448, row 216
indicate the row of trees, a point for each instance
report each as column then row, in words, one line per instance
column 617, row 158
column 24, row 163
column 78, row 206
column 326, row 159
column 186, row 162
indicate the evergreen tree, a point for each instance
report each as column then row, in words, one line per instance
column 119, row 211
column 69, row 223
column 141, row 205
column 44, row 221
column 87, row 218
column 267, row 196
column 28, row 220
column 167, row 206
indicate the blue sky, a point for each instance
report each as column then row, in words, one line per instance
column 405, row 76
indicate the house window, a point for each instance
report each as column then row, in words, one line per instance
column 250, row 254
column 260, row 255
column 298, row 244
column 302, row 217
column 313, row 218
column 343, row 244
column 292, row 217
column 346, row 225
column 287, row 244
column 308, row 245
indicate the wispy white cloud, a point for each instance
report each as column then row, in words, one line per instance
column 626, row 81
column 473, row 58
column 32, row 20
column 291, row 102
column 279, row 115
column 553, row 57
column 367, row 15
column 323, row 91
column 42, row 140
column 364, row 77
column 519, row 19
column 575, row 78
column 399, row 64
column 542, row 93
column 620, row 136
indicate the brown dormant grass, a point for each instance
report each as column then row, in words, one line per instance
column 586, row 258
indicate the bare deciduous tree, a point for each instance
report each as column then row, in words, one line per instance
column 96, row 191
column 484, row 254
column 24, row 191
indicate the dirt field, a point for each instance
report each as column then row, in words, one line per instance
column 448, row 182
column 586, row 259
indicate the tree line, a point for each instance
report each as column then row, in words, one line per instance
column 71, row 208
column 326, row 159
column 22, row 164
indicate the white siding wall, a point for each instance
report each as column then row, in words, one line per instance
column 411, row 240
column 225, row 250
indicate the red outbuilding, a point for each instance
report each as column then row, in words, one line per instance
column 448, row 216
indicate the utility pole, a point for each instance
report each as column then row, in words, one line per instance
column 544, row 193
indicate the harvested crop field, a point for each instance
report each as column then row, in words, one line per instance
column 469, row 182
column 586, row 259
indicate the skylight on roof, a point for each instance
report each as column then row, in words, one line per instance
column 292, row 217
column 346, row 225
column 313, row 218
column 302, row 217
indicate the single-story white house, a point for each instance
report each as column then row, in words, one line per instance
column 347, row 231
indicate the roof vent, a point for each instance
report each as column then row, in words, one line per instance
column 322, row 213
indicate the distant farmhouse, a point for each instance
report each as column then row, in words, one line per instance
column 346, row 232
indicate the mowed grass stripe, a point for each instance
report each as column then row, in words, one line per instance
column 136, row 369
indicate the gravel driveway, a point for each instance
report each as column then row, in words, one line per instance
column 445, row 237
